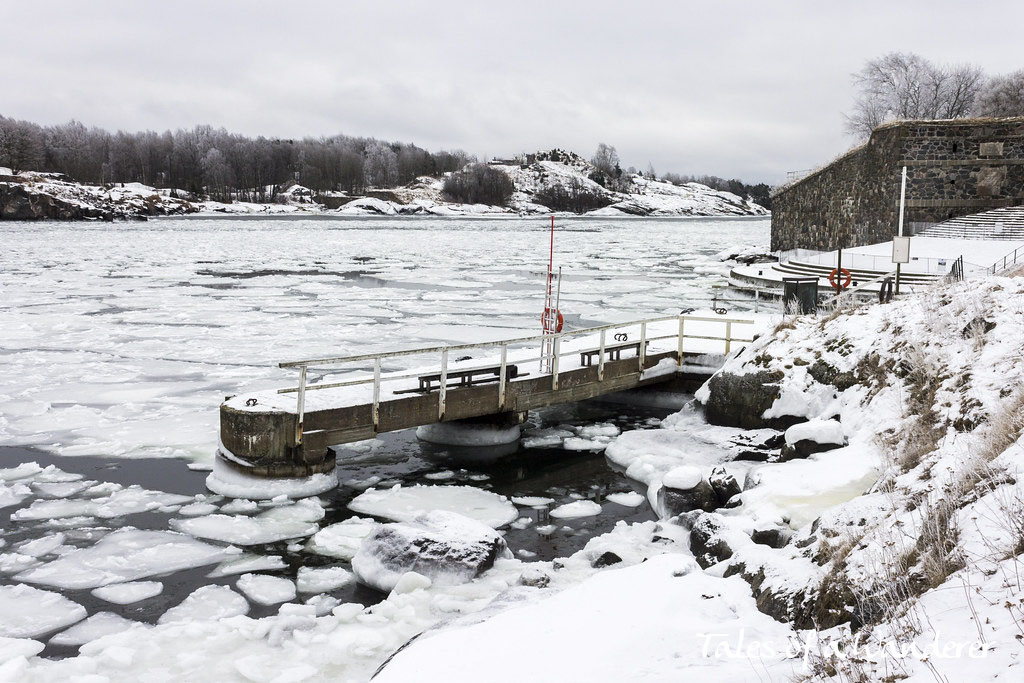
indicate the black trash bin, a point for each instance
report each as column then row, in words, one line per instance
column 800, row 294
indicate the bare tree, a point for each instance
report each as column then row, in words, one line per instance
column 1002, row 96
column 905, row 86
column 606, row 160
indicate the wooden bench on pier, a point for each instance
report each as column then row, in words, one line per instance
column 613, row 352
column 464, row 378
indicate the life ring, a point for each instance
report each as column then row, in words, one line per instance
column 546, row 317
column 833, row 280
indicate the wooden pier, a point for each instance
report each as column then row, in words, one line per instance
column 273, row 435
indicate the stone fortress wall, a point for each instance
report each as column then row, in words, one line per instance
column 954, row 167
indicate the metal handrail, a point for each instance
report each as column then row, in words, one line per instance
column 996, row 267
column 556, row 339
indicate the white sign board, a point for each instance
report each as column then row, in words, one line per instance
column 901, row 250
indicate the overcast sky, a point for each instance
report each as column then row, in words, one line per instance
column 736, row 89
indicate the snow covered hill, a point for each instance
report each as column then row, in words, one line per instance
column 534, row 173
column 33, row 196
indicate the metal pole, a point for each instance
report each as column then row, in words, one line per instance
column 501, row 377
column 903, row 199
column 376, row 394
column 642, row 350
column 554, row 363
column 728, row 335
column 301, row 405
column 679, row 350
column 600, row 359
column 444, row 385
column 839, row 271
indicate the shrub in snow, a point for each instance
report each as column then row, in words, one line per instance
column 445, row 547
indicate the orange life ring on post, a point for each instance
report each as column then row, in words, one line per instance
column 550, row 314
column 833, row 280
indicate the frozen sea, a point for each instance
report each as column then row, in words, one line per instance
column 118, row 342
column 121, row 339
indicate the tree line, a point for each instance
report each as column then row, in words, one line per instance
column 905, row 86
column 213, row 161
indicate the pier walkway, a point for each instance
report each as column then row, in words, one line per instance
column 288, row 432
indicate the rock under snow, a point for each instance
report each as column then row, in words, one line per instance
column 445, row 547
column 576, row 509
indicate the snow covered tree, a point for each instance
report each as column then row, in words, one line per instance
column 381, row 167
column 1002, row 96
column 217, row 175
column 905, row 86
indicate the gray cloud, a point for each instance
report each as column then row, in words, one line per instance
column 734, row 89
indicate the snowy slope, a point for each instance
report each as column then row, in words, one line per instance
column 642, row 196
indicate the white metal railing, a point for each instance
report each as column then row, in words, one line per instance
column 1010, row 259
column 880, row 263
column 679, row 334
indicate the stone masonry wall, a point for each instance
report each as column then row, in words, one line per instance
column 954, row 168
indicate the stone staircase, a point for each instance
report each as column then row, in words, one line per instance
column 998, row 224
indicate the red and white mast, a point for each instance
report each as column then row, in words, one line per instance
column 551, row 318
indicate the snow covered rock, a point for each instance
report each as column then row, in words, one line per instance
column 813, row 436
column 708, row 541
column 684, row 489
column 445, row 547
column 740, row 400
column 724, row 485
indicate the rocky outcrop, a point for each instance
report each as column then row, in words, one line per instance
column 741, row 400
column 17, row 203
column 445, row 547
column 49, row 196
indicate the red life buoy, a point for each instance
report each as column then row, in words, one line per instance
column 549, row 315
column 833, row 280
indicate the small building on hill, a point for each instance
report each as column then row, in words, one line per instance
column 954, row 168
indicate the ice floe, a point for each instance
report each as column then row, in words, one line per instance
column 124, row 501
column 403, row 503
column 341, row 540
column 266, row 590
column 629, row 499
column 276, row 524
column 124, row 555
column 208, row 603
column 322, row 579
column 247, row 563
column 576, row 509
column 27, row 612
column 93, row 627
column 127, row 593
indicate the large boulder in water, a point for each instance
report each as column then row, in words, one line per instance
column 445, row 547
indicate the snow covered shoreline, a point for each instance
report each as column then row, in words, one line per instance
column 900, row 519
column 34, row 196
